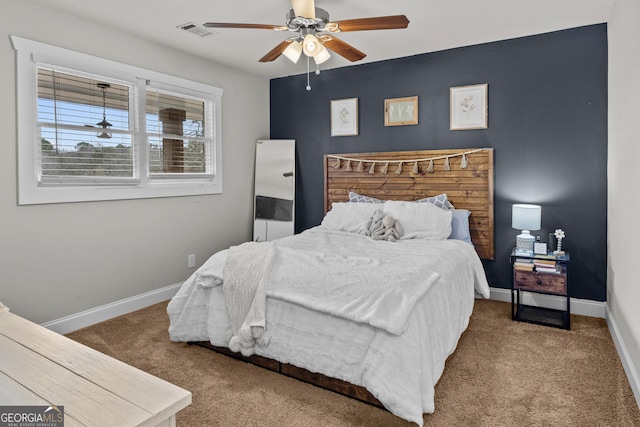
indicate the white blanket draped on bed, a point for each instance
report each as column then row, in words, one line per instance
column 246, row 273
column 433, row 283
column 380, row 289
column 377, row 290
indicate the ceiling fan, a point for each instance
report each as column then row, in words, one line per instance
column 315, row 32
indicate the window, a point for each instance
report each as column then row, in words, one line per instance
column 77, row 142
column 178, row 132
column 93, row 129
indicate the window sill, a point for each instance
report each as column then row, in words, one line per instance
column 59, row 194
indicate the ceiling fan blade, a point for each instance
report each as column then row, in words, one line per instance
column 344, row 49
column 230, row 25
column 275, row 52
column 379, row 23
column 304, row 8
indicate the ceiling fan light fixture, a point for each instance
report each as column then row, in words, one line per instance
column 311, row 45
column 293, row 51
column 322, row 56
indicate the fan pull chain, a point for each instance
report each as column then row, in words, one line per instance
column 308, row 84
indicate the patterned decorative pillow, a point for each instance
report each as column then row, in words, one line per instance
column 359, row 198
column 440, row 200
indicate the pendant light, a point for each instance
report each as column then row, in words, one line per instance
column 104, row 124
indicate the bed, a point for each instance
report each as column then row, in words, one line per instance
column 365, row 347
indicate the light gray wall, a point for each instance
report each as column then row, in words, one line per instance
column 58, row 260
column 623, row 285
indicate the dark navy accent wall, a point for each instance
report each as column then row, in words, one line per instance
column 547, row 126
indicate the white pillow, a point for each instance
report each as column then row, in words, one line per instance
column 351, row 217
column 419, row 220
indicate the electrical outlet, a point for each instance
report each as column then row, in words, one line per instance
column 191, row 260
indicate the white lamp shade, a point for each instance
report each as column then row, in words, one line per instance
column 525, row 217
column 322, row 56
column 293, row 51
column 311, row 45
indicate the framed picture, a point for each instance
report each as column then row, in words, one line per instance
column 401, row 111
column 344, row 117
column 540, row 248
column 469, row 107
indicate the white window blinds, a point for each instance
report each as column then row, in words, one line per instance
column 84, row 125
column 179, row 132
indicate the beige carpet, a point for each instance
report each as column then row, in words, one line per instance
column 503, row 373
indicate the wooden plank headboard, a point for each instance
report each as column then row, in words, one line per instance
column 468, row 188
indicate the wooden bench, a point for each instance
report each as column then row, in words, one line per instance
column 41, row 367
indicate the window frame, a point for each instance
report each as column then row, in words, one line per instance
column 30, row 191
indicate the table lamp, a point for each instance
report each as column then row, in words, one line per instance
column 525, row 217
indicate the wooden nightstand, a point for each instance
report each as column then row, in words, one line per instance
column 541, row 274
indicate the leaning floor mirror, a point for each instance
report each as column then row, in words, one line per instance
column 274, row 203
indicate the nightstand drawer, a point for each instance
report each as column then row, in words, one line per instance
column 540, row 282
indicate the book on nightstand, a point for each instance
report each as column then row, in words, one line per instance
column 525, row 266
column 541, row 269
column 545, row 266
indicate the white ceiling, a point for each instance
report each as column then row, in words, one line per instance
column 434, row 25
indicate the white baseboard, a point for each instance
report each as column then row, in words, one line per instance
column 578, row 306
column 625, row 358
column 90, row 317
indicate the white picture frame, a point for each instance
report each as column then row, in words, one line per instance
column 540, row 248
column 469, row 107
column 344, row 117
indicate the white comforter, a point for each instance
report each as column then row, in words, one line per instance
column 384, row 315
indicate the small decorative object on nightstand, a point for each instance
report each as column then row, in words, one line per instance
column 540, row 274
column 559, row 235
column 525, row 217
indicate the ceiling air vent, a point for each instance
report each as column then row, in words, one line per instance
column 196, row 29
